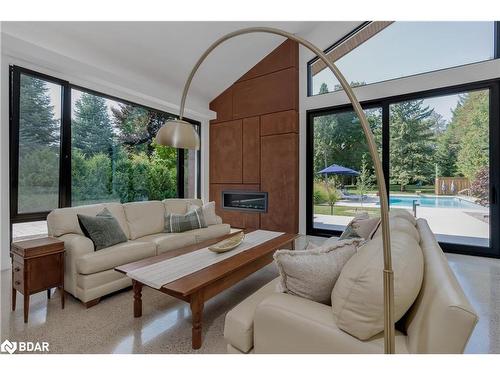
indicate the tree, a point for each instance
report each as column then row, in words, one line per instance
column 471, row 124
column 412, row 143
column 339, row 139
column 37, row 125
column 137, row 126
column 92, row 131
column 364, row 181
column 332, row 193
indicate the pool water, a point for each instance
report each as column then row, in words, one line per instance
column 431, row 201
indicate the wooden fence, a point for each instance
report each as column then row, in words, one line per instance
column 451, row 185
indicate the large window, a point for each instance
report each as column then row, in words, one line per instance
column 407, row 48
column 71, row 146
column 441, row 162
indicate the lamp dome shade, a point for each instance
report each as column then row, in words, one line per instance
column 178, row 134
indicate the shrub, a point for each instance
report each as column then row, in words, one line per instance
column 91, row 177
column 480, row 187
column 319, row 193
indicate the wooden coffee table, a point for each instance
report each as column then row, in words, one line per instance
column 206, row 283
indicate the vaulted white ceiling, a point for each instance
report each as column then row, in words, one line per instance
column 159, row 55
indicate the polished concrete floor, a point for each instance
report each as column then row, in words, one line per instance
column 165, row 326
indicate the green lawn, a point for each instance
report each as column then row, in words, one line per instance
column 348, row 211
column 409, row 189
column 345, row 211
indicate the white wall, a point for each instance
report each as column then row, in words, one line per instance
column 322, row 37
column 21, row 53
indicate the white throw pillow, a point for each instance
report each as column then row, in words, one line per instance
column 358, row 298
column 208, row 212
column 312, row 273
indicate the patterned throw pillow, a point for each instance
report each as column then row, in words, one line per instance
column 103, row 229
column 360, row 228
column 176, row 223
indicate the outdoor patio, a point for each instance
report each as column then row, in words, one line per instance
column 454, row 225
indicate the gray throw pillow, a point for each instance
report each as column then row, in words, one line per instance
column 103, row 229
column 176, row 223
column 312, row 273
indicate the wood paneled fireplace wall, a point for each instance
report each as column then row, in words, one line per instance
column 254, row 142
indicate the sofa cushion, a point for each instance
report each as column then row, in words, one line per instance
column 400, row 224
column 114, row 256
column 64, row 220
column 144, row 218
column 404, row 214
column 169, row 241
column 210, row 232
column 103, row 229
column 312, row 273
column 180, row 206
column 238, row 325
column 357, row 298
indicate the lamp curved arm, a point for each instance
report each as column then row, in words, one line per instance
column 388, row 276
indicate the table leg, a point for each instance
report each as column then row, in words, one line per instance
column 14, row 294
column 26, row 307
column 197, row 314
column 61, row 290
column 137, row 298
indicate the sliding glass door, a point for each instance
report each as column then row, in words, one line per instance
column 441, row 160
column 35, row 162
column 440, row 164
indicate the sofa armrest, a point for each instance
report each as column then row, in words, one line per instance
column 289, row 324
column 76, row 246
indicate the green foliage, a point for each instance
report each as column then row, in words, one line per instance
column 319, row 194
column 91, row 177
column 138, row 126
column 365, row 180
column 39, row 168
column 339, row 139
column 462, row 148
column 37, row 125
column 91, row 130
column 331, row 192
column 412, row 143
column 139, row 177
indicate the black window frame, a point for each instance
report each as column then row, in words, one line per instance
column 65, row 142
column 493, row 85
column 496, row 55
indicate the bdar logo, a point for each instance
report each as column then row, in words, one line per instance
column 8, row 347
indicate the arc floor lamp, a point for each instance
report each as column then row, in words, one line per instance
column 181, row 134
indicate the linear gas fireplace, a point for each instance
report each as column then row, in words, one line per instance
column 254, row 201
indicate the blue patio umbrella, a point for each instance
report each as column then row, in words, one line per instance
column 338, row 169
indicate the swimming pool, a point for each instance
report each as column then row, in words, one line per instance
column 431, row 201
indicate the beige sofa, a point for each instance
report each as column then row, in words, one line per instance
column 90, row 274
column 440, row 321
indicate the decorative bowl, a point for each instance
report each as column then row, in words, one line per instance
column 227, row 244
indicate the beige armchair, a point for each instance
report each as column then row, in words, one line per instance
column 440, row 321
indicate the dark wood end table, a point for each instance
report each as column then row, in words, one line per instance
column 37, row 265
